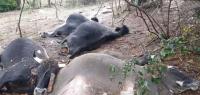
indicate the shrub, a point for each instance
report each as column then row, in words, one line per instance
column 7, row 5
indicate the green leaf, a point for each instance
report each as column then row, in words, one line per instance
column 156, row 80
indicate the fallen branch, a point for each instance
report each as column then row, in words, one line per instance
column 19, row 21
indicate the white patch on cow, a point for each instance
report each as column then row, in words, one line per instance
column 40, row 91
column 39, row 51
column 39, row 60
column 61, row 65
column 170, row 67
column 78, row 86
column 180, row 83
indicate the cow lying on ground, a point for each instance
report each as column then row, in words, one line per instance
column 89, row 74
column 26, row 66
column 73, row 21
column 92, row 74
column 19, row 49
column 88, row 36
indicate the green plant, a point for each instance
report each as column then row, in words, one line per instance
column 154, row 70
column 6, row 5
column 173, row 46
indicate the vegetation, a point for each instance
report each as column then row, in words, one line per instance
column 7, row 5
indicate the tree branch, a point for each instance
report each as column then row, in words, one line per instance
column 149, row 18
column 99, row 9
column 170, row 1
column 19, row 21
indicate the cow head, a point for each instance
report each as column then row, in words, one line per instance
column 45, row 73
column 48, row 68
column 122, row 30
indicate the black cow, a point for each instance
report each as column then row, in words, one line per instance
column 90, row 35
column 19, row 49
column 26, row 67
column 72, row 22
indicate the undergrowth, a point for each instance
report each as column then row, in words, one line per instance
column 184, row 45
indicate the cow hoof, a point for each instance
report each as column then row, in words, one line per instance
column 40, row 91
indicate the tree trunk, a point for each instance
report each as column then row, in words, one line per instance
column 40, row 3
column 18, row 4
column 61, row 1
column 34, row 4
column 49, row 3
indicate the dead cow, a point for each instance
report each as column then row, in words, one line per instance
column 91, row 74
column 26, row 66
column 72, row 22
column 88, row 36
column 19, row 49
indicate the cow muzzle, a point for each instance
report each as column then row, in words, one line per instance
column 40, row 91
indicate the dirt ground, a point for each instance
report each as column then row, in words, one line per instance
column 35, row 22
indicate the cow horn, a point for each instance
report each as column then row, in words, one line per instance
column 51, row 82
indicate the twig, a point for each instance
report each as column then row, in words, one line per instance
column 99, row 9
column 20, row 32
column 56, row 9
column 113, row 13
column 179, row 17
column 149, row 18
column 142, row 17
column 124, row 18
column 170, row 1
